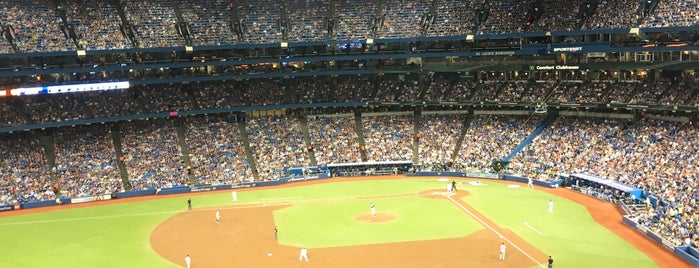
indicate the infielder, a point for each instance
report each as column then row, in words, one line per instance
column 218, row 217
column 188, row 261
column 275, row 232
column 550, row 206
column 503, row 248
column 373, row 210
column 189, row 204
column 303, row 255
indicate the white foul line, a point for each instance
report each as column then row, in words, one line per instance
column 474, row 216
column 532, row 227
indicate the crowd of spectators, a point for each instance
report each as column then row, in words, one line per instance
column 615, row 14
column 455, row 17
column 401, row 18
column 353, row 20
column 37, row 25
column 673, row 13
column 86, row 162
column 557, row 15
column 230, row 94
column 308, row 19
column 24, row 173
column 96, row 24
column 276, row 142
column 210, row 22
column 259, row 20
column 334, row 139
column 505, row 17
column 216, row 151
column 437, row 140
column 388, row 137
column 155, row 23
column 152, row 155
column 491, row 137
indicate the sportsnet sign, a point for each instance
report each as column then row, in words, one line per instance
column 567, row 49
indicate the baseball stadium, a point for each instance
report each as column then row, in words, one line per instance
column 349, row 133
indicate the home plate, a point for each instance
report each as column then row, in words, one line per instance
column 269, row 254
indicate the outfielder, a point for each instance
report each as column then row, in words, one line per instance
column 530, row 183
column 550, row 206
column 303, row 255
column 373, row 210
column 503, row 248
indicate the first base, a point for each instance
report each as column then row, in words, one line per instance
column 269, row 254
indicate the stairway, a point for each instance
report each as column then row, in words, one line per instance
column 48, row 143
column 184, row 149
column 464, row 128
column 531, row 136
column 307, row 139
column 242, row 128
column 359, row 128
column 417, row 120
column 116, row 140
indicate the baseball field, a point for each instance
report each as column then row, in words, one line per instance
column 417, row 225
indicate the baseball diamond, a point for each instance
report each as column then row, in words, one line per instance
column 418, row 226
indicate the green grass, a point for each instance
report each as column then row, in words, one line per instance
column 118, row 235
column 327, row 224
column 570, row 234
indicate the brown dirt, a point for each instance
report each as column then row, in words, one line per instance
column 477, row 250
column 245, row 238
column 379, row 218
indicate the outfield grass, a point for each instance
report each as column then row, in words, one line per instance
column 117, row 235
column 569, row 234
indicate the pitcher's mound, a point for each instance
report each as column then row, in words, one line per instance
column 380, row 217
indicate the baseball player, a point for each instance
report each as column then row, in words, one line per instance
column 530, row 183
column 218, row 217
column 304, row 254
column 449, row 188
column 275, row 232
column 188, row 261
column 373, row 210
column 550, row 206
column 189, row 203
column 453, row 186
column 550, row 262
column 503, row 248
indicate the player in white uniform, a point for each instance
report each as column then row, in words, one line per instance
column 449, row 188
column 530, row 183
column 218, row 217
column 303, row 255
column 503, row 248
column 188, row 261
column 373, row 210
column 550, row 206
